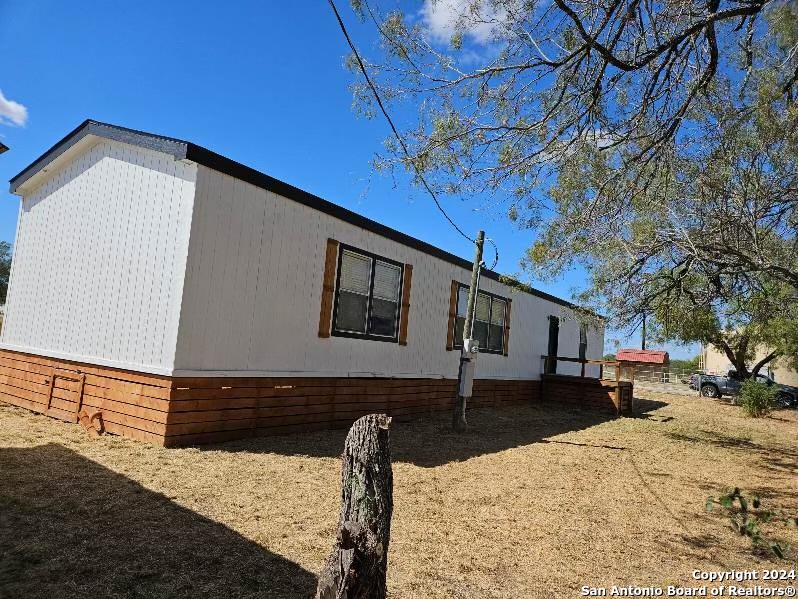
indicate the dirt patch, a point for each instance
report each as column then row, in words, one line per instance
column 534, row 501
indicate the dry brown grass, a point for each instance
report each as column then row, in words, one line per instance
column 534, row 502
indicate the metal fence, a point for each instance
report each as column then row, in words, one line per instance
column 653, row 375
column 673, row 381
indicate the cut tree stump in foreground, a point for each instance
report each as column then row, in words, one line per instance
column 357, row 566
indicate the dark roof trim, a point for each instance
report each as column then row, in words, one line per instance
column 167, row 145
column 3, row 147
column 189, row 151
column 237, row 170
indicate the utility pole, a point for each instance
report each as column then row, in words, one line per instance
column 468, row 356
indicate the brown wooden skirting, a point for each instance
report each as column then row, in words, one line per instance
column 588, row 393
column 132, row 403
column 216, row 409
column 190, row 410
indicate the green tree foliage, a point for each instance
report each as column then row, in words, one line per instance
column 735, row 322
column 690, row 365
column 513, row 86
column 5, row 269
column 717, row 222
column 654, row 144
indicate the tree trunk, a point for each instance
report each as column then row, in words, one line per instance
column 758, row 366
column 736, row 357
column 358, row 564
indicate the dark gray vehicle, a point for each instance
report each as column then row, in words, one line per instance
column 712, row 385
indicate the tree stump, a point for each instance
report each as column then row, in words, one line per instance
column 358, row 564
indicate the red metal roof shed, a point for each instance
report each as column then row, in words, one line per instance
column 642, row 356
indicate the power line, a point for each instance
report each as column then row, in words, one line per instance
column 401, row 141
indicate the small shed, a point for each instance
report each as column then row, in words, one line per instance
column 645, row 364
column 171, row 294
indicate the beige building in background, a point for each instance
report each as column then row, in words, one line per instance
column 716, row 362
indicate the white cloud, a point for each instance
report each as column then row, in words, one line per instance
column 12, row 112
column 478, row 19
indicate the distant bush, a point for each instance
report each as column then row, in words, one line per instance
column 690, row 365
column 757, row 399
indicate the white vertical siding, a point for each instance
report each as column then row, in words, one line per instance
column 99, row 259
column 253, row 291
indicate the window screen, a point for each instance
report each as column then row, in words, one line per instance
column 385, row 300
column 488, row 328
column 353, row 297
column 496, row 332
column 367, row 296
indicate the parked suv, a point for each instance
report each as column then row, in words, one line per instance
column 717, row 386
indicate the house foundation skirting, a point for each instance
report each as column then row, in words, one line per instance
column 177, row 411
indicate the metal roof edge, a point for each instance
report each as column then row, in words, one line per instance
column 181, row 149
column 168, row 145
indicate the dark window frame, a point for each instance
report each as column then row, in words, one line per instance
column 553, row 344
column 457, row 343
column 398, row 315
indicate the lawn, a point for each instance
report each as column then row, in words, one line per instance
column 534, row 501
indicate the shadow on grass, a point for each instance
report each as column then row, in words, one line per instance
column 778, row 460
column 430, row 441
column 781, row 464
column 704, row 541
column 729, row 442
column 72, row 528
column 645, row 408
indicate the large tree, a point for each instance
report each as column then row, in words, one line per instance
column 653, row 143
column 508, row 90
column 739, row 326
column 725, row 214
column 709, row 246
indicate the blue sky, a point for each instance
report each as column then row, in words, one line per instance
column 260, row 82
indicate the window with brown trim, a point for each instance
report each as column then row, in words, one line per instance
column 490, row 321
column 368, row 296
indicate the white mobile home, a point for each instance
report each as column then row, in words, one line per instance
column 189, row 298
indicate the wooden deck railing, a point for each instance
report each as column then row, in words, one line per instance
column 622, row 390
column 618, row 365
